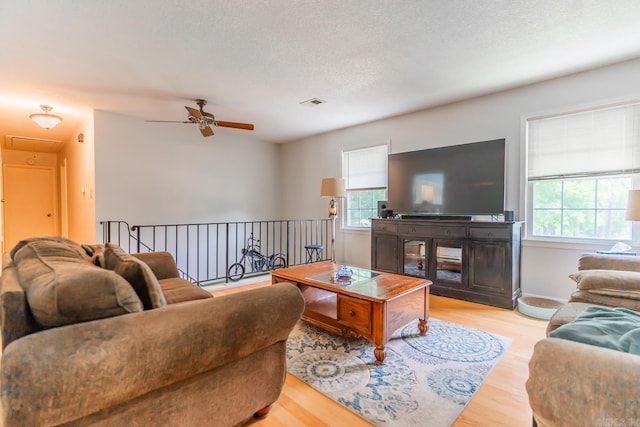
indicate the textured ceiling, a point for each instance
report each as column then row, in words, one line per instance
column 255, row 61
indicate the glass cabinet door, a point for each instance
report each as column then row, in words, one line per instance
column 414, row 258
column 449, row 261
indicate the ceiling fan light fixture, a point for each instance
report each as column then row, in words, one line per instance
column 46, row 121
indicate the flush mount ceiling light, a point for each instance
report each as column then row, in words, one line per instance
column 46, row 120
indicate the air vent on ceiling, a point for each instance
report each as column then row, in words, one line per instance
column 26, row 143
column 18, row 139
column 313, row 102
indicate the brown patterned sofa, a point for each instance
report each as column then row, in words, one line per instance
column 133, row 343
column 572, row 383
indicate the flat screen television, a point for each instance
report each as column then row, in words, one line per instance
column 460, row 180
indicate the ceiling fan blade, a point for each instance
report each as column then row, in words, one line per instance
column 245, row 126
column 193, row 112
column 207, row 131
column 167, row 121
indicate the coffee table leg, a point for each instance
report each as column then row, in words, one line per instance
column 380, row 354
column 423, row 326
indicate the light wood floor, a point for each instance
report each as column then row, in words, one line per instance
column 501, row 401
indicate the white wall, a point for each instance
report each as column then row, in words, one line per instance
column 80, row 159
column 163, row 173
column 544, row 266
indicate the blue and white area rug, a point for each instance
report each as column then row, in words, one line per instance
column 425, row 381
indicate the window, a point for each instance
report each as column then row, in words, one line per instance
column 580, row 168
column 365, row 174
column 583, row 208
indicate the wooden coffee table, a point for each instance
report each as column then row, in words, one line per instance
column 372, row 305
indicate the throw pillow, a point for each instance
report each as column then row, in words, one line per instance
column 137, row 273
column 62, row 292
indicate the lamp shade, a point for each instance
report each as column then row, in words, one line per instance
column 633, row 206
column 333, row 187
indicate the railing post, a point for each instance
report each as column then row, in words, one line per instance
column 106, row 231
column 138, row 239
column 226, row 268
column 287, row 245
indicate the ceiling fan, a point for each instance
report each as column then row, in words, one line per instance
column 204, row 120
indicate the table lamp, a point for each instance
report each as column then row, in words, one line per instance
column 633, row 206
column 334, row 188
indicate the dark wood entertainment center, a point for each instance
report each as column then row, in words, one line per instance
column 470, row 260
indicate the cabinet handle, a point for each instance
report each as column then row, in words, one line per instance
column 352, row 313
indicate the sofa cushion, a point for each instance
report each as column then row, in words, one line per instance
column 607, row 279
column 565, row 314
column 593, row 261
column 179, row 290
column 63, row 290
column 615, row 293
column 137, row 273
column 606, row 300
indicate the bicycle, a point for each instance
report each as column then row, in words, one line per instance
column 257, row 261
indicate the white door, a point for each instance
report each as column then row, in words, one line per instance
column 29, row 203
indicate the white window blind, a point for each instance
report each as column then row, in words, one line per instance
column 597, row 142
column 365, row 168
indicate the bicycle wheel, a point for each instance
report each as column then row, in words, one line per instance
column 279, row 262
column 235, row 272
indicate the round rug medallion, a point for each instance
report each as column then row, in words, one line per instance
column 453, row 343
column 330, row 371
column 454, row 384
